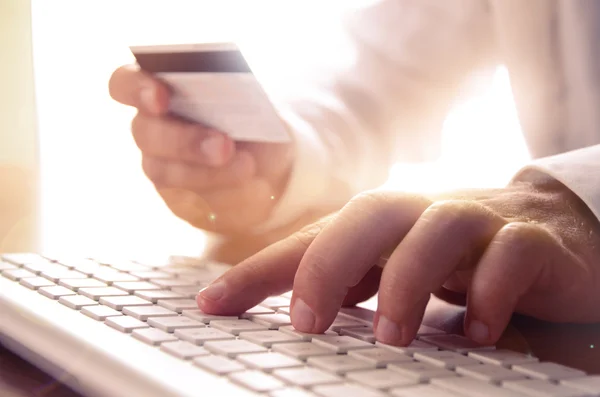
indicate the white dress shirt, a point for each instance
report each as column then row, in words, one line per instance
column 412, row 57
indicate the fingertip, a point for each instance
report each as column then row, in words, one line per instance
column 303, row 317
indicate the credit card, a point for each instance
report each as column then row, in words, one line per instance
column 213, row 85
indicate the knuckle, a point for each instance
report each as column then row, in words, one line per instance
column 522, row 235
column 307, row 234
column 314, row 269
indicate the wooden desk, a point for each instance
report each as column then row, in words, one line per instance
column 566, row 344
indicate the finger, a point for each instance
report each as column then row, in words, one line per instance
column 176, row 174
column 134, row 87
column 344, row 251
column 269, row 272
column 514, row 261
column 232, row 210
column 171, row 138
column 448, row 236
column 365, row 289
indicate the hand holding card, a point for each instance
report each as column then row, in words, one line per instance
column 204, row 176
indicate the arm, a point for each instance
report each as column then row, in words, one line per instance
column 411, row 57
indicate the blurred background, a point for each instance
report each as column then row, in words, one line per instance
column 94, row 196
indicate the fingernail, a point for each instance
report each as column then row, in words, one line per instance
column 479, row 332
column 213, row 292
column 213, row 148
column 387, row 331
column 302, row 316
column 148, row 98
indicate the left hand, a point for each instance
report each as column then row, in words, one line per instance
column 530, row 249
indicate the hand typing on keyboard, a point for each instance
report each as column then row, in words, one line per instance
column 529, row 249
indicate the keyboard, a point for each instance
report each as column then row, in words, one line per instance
column 132, row 328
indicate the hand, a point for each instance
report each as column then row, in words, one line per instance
column 530, row 249
column 203, row 176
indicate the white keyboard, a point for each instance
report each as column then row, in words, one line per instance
column 138, row 327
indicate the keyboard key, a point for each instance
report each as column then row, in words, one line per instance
column 301, row 350
column 85, row 266
column 55, row 292
column 76, row 301
column 76, row 283
column 151, row 275
column 188, row 292
column 143, row 313
column 267, row 338
column 414, row 347
column 233, row 348
column 272, row 321
column 218, row 364
column 291, row 392
column 128, row 266
column 540, row 388
column 125, row 323
column 199, row 336
column 380, row 357
column 256, row 310
column 19, row 259
column 36, row 282
column 169, row 283
column 422, row 391
column 284, row 310
column 589, row 384
column 489, row 373
column 155, row 295
column 365, row 334
column 119, row 302
column 236, row 326
column 275, row 302
column 425, row 330
column 183, row 350
column 306, row 377
column 7, row 266
column 346, row 390
column 256, row 381
column 473, row 388
column 132, row 286
column 153, row 336
column 341, row 344
column 505, row 358
column 339, row 364
column 381, row 378
column 445, row 359
column 178, row 305
column 269, row 362
column 170, row 324
column 456, row 343
column 56, row 275
column 99, row 312
column 97, row 293
column 17, row 274
column 205, row 318
column 421, row 372
column 37, row 268
column 112, row 276
column 345, row 322
column 290, row 330
column 548, row 371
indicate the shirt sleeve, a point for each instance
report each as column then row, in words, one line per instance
column 354, row 122
column 578, row 170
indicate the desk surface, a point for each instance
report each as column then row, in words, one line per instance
column 573, row 345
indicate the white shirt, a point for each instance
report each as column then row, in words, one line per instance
column 412, row 57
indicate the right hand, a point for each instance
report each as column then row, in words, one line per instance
column 203, row 176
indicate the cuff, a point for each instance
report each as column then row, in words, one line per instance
column 309, row 178
column 578, row 170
